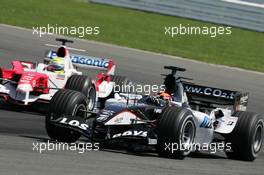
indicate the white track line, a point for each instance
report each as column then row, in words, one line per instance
column 252, row 4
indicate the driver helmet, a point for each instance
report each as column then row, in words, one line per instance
column 56, row 65
column 165, row 96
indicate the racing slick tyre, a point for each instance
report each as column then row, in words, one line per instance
column 85, row 85
column 176, row 132
column 247, row 136
column 66, row 102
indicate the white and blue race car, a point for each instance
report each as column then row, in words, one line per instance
column 197, row 118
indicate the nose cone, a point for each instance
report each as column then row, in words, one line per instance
column 24, row 88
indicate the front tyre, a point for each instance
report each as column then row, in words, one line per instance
column 65, row 102
column 247, row 137
column 83, row 84
column 176, row 132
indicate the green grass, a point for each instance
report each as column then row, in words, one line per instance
column 140, row 30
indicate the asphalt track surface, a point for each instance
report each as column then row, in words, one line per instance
column 18, row 129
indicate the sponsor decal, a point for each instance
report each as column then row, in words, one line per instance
column 118, row 120
column 206, row 123
column 131, row 133
column 60, row 77
column 105, row 115
column 84, row 60
column 208, row 91
column 25, row 79
column 74, row 123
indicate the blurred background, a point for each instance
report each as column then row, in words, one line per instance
column 140, row 24
column 246, row 14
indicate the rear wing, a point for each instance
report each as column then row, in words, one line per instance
column 86, row 61
column 209, row 95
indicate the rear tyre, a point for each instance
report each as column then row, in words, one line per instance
column 65, row 102
column 176, row 132
column 83, row 84
column 247, row 137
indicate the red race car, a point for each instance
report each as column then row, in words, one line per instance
column 27, row 83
